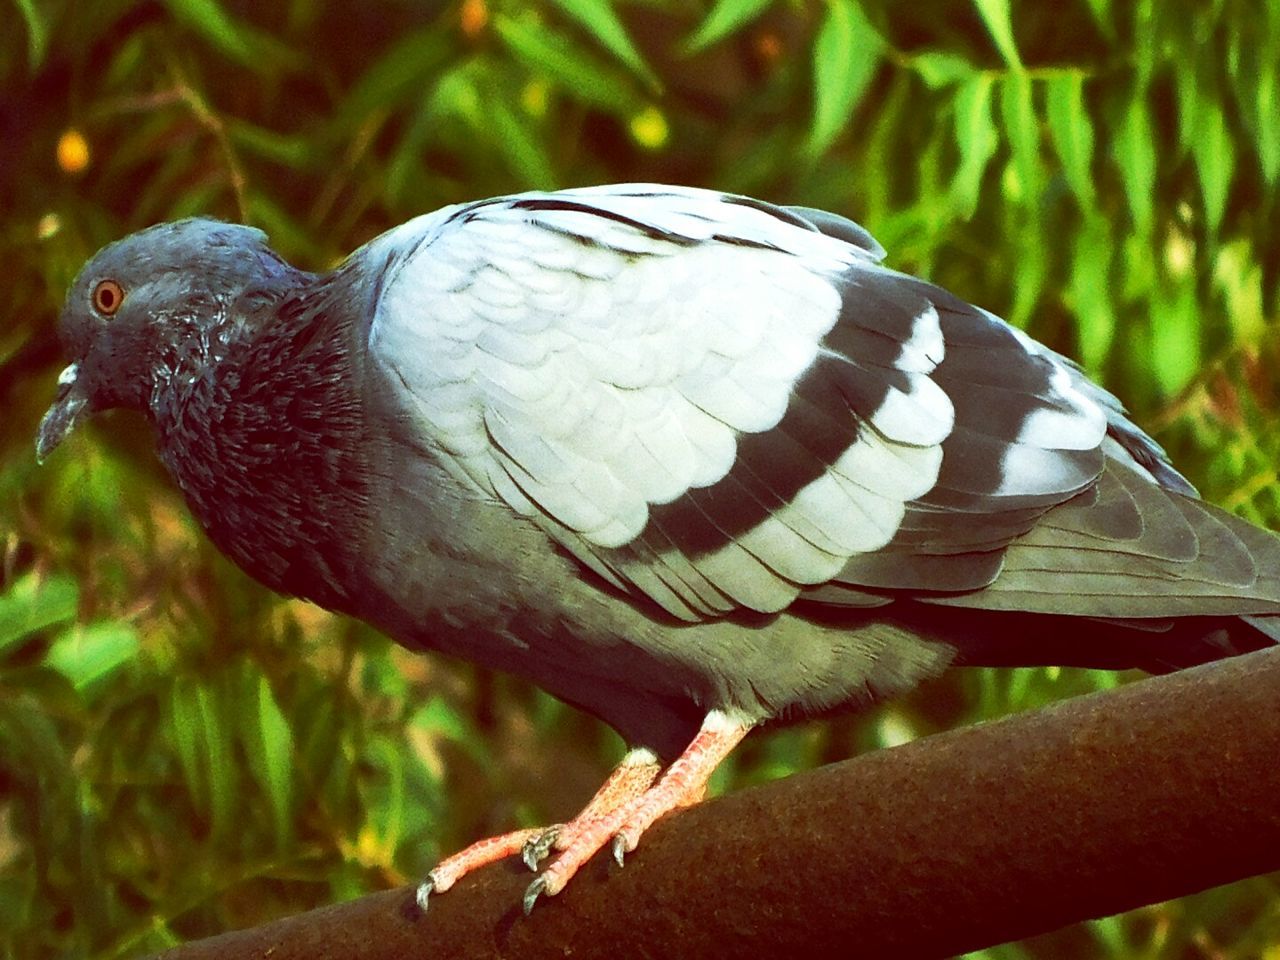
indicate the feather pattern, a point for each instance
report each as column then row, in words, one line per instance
column 715, row 403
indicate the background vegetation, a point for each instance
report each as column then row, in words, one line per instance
column 181, row 752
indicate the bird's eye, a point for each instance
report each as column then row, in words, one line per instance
column 107, row 297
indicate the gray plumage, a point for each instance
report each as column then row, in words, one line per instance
column 661, row 451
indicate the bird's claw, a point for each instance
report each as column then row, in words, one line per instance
column 536, row 848
column 424, row 891
column 619, row 849
column 532, row 892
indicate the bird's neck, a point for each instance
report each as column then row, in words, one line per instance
column 260, row 424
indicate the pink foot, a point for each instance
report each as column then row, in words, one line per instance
column 624, row 807
column 684, row 783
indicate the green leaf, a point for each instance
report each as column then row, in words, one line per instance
column 576, row 73
column 438, row 718
column 725, row 17
column 268, row 742
column 1267, row 105
column 1135, row 155
column 1252, row 68
column 941, row 68
column 1146, row 43
column 1193, row 99
column 1030, row 276
column 1215, row 157
column 1101, row 10
column 291, row 150
column 976, row 137
column 515, row 137
column 216, row 728
column 1175, row 337
column 185, row 729
column 1072, row 132
column 35, row 603
column 1238, row 276
column 213, row 23
column 406, row 68
column 602, row 22
column 1017, row 110
column 845, row 57
column 995, row 14
column 384, row 794
column 37, row 32
column 1091, row 293
column 89, row 655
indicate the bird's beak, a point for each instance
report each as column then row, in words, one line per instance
column 64, row 413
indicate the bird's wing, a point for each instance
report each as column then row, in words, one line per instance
column 719, row 403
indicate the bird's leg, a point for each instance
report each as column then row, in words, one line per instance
column 622, row 809
column 683, row 783
column 629, row 779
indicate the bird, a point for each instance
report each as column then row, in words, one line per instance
column 693, row 462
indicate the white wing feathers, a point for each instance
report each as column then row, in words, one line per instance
column 643, row 371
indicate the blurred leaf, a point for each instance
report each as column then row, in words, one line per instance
column 1146, row 42
column 1023, row 131
column 1135, row 155
column 290, row 150
column 89, row 655
column 1175, row 337
column 995, row 14
column 1192, row 99
column 576, row 73
column 976, row 137
column 437, row 717
column 845, row 58
column 1091, row 294
column 602, row 22
column 216, row 724
column 1029, row 280
column 210, row 20
column 185, row 729
column 724, row 18
column 1072, row 132
column 1266, row 103
column 407, row 67
column 384, row 796
column 1239, row 278
column 281, row 227
column 1214, row 151
column 268, row 741
column 941, row 69
column 37, row 32
column 34, row 603
column 516, row 138
column 1101, row 10
column 1254, row 74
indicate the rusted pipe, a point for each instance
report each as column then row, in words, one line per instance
column 970, row 838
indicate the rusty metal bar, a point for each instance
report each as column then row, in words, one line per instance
column 962, row 840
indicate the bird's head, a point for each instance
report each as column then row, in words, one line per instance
column 142, row 301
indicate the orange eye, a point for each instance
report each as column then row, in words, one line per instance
column 107, row 297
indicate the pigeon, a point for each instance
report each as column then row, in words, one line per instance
column 693, row 462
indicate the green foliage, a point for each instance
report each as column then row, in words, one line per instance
column 181, row 752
